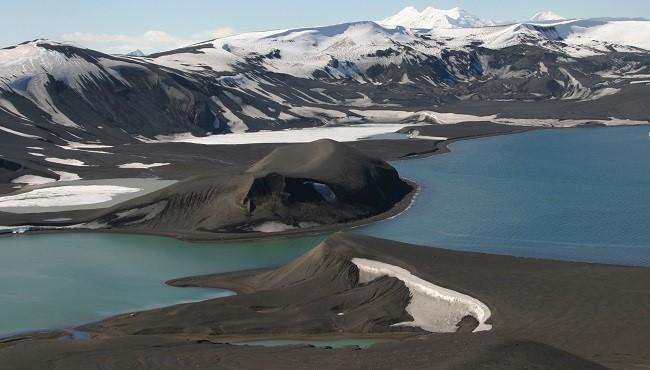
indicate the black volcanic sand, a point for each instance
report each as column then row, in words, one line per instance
column 546, row 315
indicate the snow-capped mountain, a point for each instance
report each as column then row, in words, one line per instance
column 341, row 74
column 546, row 16
column 136, row 53
column 431, row 17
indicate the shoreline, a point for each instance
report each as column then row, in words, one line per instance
column 397, row 341
column 199, row 238
column 439, row 147
column 528, row 299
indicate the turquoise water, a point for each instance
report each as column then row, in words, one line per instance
column 580, row 194
column 334, row 343
column 571, row 194
column 59, row 280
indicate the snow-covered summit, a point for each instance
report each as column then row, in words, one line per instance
column 28, row 68
column 546, row 16
column 136, row 53
column 431, row 17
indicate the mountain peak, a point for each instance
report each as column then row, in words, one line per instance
column 136, row 53
column 431, row 17
column 546, row 16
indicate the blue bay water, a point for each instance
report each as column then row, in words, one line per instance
column 570, row 194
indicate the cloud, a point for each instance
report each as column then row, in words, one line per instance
column 148, row 42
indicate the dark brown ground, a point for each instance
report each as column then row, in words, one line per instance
column 546, row 315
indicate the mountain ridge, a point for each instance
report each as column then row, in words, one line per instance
column 315, row 76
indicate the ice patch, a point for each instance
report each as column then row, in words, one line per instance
column 5, row 129
column 69, row 162
column 57, row 196
column 276, row 227
column 272, row 227
column 235, row 123
column 7, row 106
column 67, row 176
column 142, row 165
column 83, row 147
column 74, row 145
column 415, row 134
column 433, row 308
column 603, row 93
column 32, row 180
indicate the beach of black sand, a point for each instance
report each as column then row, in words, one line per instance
column 545, row 314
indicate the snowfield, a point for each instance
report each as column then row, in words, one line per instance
column 433, row 308
column 73, row 195
column 338, row 133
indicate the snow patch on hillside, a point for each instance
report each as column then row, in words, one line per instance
column 21, row 134
column 67, row 176
column 32, row 180
column 138, row 165
column 433, row 308
column 69, row 162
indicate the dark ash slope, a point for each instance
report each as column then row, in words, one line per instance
column 322, row 183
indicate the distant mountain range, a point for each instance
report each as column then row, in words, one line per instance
column 546, row 16
column 431, row 17
column 340, row 74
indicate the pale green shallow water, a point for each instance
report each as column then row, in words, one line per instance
column 59, row 280
column 564, row 194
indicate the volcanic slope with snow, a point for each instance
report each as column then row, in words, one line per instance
column 318, row 76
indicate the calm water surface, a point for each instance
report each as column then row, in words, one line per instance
column 571, row 194
column 578, row 194
column 58, row 280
